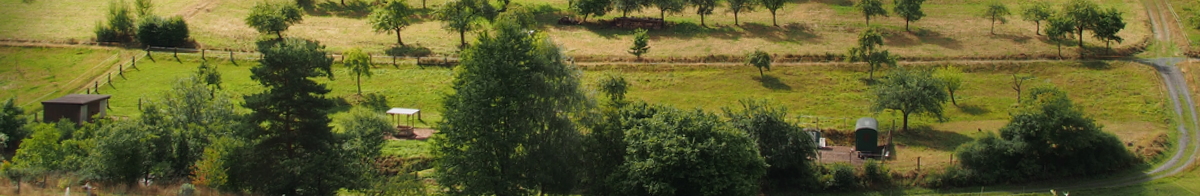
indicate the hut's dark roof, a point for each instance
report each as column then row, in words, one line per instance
column 79, row 99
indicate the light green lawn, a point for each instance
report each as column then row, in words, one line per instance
column 32, row 74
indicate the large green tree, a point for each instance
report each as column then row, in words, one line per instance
column 737, row 6
column 1058, row 28
column 514, row 89
column 462, row 16
column 360, row 65
column 1037, row 12
column 869, row 50
column 909, row 92
column 274, row 17
column 788, row 151
column 122, row 152
column 592, row 7
column 626, row 6
column 392, row 17
column 871, row 8
column 1108, row 23
column 688, row 152
column 997, row 12
column 773, row 6
column 1084, row 13
column 910, row 10
column 294, row 150
column 668, row 6
column 759, row 59
column 952, row 78
column 704, row 8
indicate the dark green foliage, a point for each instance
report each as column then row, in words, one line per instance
column 1193, row 21
column 1037, row 12
column 759, row 59
column 869, row 50
column 209, row 76
column 120, row 26
column 910, row 10
column 514, row 89
column 614, row 86
column 910, row 92
column 787, row 150
column 626, row 6
column 290, row 125
column 688, row 152
column 871, row 8
column 737, row 6
column 1108, row 23
column 1058, row 29
column 1048, row 137
column 274, row 17
column 12, row 124
column 641, row 43
column 997, row 12
column 392, row 17
column 592, row 7
column 122, row 152
column 875, row 174
column 773, row 6
column 157, row 31
column 839, row 177
column 144, row 8
column 1084, row 13
column 704, row 8
column 604, row 146
column 462, row 16
column 360, row 145
column 668, row 6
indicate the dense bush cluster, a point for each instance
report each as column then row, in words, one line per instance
column 158, row 31
column 1049, row 137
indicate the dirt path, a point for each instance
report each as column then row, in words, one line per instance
column 203, row 5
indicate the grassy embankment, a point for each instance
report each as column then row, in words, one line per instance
column 951, row 28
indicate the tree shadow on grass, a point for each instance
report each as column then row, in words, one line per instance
column 789, row 32
column 922, row 36
column 1096, row 65
column 973, row 110
column 352, row 9
column 1015, row 38
column 773, row 83
column 926, row 136
column 836, row 2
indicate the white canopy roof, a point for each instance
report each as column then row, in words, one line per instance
column 405, row 111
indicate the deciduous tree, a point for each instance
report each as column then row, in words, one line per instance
column 910, row 10
column 1058, row 28
column 773, row 6
column 1108, row 23
column 910, row 92
column 951, row 77
column 592, row 7
column 871, row 8
column 274, row 17
column 668, row 6
column 868, row 50
column 737, row 6
column 997, row 12
column 12, row 124
column 1084, row 13
column 514, row 89
column 1037, row 12
column 461, row 16
column 392, row 17
column 704, row 8
column 784, row 146
column 359, row 64
column 759, row 59
column 626, row 6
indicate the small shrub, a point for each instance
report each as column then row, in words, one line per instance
column 106, row 34
column 840, row 176
column 874, row 173
column 187, row 189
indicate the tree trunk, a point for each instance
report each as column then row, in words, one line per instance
column 773, row 22
column 955, row 102
column 735, row 19
column 584, row 19
column 1037, row 30
column 662, row 15
column 1080, row 37
column 462, row 37
column 702, row 21
column 398, row 39
column 993, row 30
column 343, row 3
column 1059, row 48
column 906, row 25
column 905, row 129
column 868, row 20
column 279, row 34
column 761, row 75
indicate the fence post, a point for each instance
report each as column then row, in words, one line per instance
column 393, row 61
column 176, row 51
column 96, row 86
column 110, row 78
column 231, row 56
column 202, row 58
column 120, row 69
column 918, row 163
column 140, row 109
column 148, row 53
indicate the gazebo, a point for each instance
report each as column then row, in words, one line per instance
column 404, row 130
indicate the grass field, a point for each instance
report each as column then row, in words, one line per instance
column 951, row 28
column 36, row 74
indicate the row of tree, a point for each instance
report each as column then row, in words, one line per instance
column 1073, row 17
column 148, row 28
